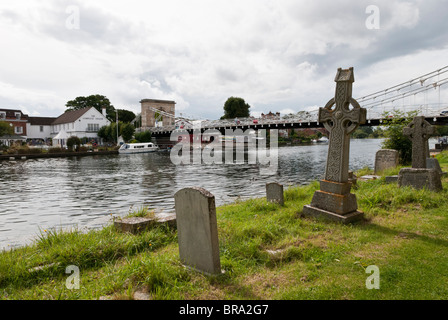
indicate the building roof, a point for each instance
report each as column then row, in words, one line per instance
column 11, row 113
column 158, row 101
column 71, row 116
column 41, row 121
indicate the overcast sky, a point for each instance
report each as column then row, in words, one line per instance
column 278, row 55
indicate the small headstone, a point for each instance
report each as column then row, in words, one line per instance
column 433, row 163
column 334, row 200
column 274, row 192
column 385, row 159
column 352, row 178
column 197, row 230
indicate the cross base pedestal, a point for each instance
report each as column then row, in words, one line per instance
column 335, row 202
column 309, row 211
column 420, row 178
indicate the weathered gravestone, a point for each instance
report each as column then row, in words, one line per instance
column 197, row 230
column 419, row 176
column 274, row 192
column 385, row 159
column 334, row 200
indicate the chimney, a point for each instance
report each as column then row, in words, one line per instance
column 104, row 111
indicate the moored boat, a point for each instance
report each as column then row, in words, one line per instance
column 138, row 147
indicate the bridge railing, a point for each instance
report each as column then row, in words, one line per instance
column 312, row 116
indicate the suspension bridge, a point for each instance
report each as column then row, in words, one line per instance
column 422, row 95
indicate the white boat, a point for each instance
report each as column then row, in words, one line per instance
column 138, row 147
column 323, row 139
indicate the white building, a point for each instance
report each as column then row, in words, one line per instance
column 83, row 123
column 39, row 127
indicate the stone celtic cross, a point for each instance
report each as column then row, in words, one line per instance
column 341, row 121
column 419, row 131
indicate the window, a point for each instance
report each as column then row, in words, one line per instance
column 41, row 128
column 3, row 115
column 18, row 130
column 93, row 127
column 17, row 114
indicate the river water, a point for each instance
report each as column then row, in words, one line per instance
column 87, row 191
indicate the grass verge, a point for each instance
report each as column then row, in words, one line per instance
column 266, row 250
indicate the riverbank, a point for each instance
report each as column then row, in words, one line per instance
column 65, row 154
column 267, row 252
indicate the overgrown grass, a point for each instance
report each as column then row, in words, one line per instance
column 267, row 252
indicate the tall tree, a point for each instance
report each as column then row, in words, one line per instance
column 125, row 115
column 236, row 107
column 98, row 101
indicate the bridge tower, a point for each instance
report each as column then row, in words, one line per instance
column 155, row 111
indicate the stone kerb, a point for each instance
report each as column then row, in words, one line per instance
column 197, row 230
column 385, row 159
column 274, row 193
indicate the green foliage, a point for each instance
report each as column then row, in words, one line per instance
column 109, row 133
column 125, row 116
column 442, row 130
column 395, row 139
column 144, row 136
column 97, row 101
column 235, row 107
column 5, row 129
column 127, row 131
column 73, row 141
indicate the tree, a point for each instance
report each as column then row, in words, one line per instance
column 97, row 101
column 144, row 136
column 125, row 115
column 127, row 131
column 235, row 107
column 73, row 141
column 5, row 129
column 395, row 139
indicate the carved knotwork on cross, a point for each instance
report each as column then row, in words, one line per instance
column 341, row 121
column 419, row 131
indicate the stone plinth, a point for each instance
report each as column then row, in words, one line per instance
column 335, row 202
column 420, row 178
column 136, row 225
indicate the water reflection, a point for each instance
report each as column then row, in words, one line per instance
column 84, row 191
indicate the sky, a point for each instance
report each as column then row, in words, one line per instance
column 280, row 56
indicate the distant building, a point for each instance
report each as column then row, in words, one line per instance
column 83, row 123
column 16, row 119
column 39, row 128
column 157, row 113
column 271, row 115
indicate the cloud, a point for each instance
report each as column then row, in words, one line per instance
column 275, row 55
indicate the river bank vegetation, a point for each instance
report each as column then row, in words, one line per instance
column 267, row 252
